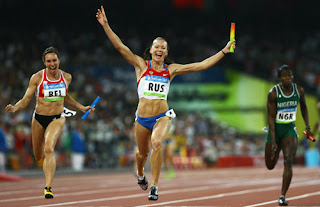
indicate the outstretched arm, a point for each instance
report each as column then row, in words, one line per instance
column 178, row 69
column 23, row 103
column 133, row 59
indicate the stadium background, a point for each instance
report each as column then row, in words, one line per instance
column 220, row 111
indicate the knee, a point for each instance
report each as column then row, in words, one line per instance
column 141, row 155
column 156, row 145
column 288, row 162
column 48, row 150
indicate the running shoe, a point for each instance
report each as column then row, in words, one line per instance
column 48, row 193
column 282, row 201
column 143, row 183
column 153, row 194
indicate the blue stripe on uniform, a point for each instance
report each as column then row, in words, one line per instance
column 158, row 79
column 287, row 110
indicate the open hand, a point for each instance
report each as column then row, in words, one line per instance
column 101, row 16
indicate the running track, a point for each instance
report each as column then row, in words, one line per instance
column 248, row 187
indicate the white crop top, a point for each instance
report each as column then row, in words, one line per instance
column 154, row 85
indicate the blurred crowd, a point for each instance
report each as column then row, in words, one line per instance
column 106, row 138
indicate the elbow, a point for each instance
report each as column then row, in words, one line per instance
column 118, row 48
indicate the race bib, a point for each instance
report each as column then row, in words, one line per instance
column 68, row 113
column 156, row 86
column 286, row 116
column 54, row 91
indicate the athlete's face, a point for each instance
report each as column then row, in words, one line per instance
column 52, row 61
column 286, row 78
column 159, row 50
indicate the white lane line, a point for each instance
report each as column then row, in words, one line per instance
column 219, row 185
column 212, row 197
column 121, row 189
column 73, row 194
column 94, row 200
column 162, row 192
column 234, row 193
column 288, row 199
column 125, row 197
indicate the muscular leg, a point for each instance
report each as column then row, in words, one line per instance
column 51, row 136
column 160, row 130
column 289, row 148
column 270, row 164
column 37, row 139
column 143, row 143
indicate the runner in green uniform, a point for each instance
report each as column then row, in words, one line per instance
column 283, row 100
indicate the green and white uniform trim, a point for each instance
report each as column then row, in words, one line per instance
column 287, row 105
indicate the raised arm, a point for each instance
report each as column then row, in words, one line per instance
column 179, row 69
column 23, row 103
column 133, row 59
column 271, row 108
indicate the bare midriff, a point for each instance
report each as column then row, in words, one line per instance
column 152, row 107
column 49, row 108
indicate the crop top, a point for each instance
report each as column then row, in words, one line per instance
column 52, row 90
column 154, row 85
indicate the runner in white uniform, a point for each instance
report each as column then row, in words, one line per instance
column 154, row 85
column 50, row 87
column 154, row 74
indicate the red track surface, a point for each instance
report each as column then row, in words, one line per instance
column 215, row 187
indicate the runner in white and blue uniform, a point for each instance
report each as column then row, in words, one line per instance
column 154, row 74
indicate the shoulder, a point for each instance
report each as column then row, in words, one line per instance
column 36, row 77
column 141, row 68
column 273, row 89
column 66, row 75
column 174, row 67
column 300, row 90
column 141, row 63
column 272, row 95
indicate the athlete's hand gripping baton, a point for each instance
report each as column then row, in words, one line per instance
column 309, row 137
column 92, row 105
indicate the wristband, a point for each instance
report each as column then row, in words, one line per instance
column 308, row 127
column 223, row 52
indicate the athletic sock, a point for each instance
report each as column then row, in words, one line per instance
column 140, row 177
